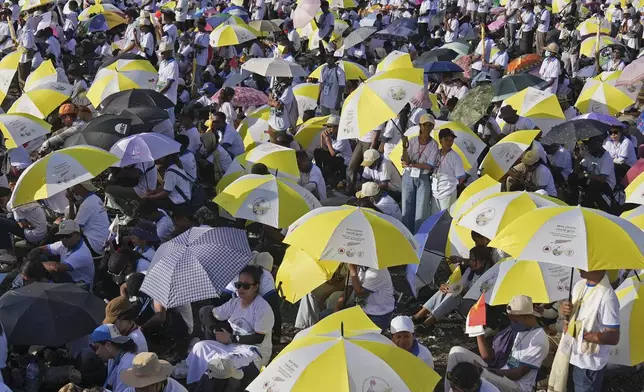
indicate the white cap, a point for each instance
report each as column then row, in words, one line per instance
column 369, row 157
column 521, row 305
column 144, row 22
column 368, row 189
column 401, row 324
column 165, row 46
column 333, row 120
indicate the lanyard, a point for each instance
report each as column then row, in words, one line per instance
column 420, row 152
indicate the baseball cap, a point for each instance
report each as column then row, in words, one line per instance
column 68, row 226
column 333, row 120
column 426, row 118
column 521, row 305
column 89, row 187
column 117, row 308
column 108, row 332
column 401, row 324
column 369, row 157
column 368, row 189
column 446, row 133
column 530, row 158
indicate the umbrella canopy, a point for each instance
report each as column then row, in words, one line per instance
column 306, row 95
column 104, row 22
column 267, row 200
column 352, row 71
column 62, row 311
column 436, row 54
column 573, row 237
column 473, row 106
column 144, row 118
column 237, row 11
column 245, row 97
column 102, row 132
column 541, row 107
column 143, row 147
column 229, row 35
column 8, row 68
column 395, row 60
column 42, row 99
column 570, row 132
column 603, row 118
column 45, row 73
column 462, row 48
column 635, row 191
column 299, row 274
column 592, row 44
column 634, row 172
column 274, row 67
column 117, row 102
column 635, row 216
column 384, row 241
column 31, row 4
column 305, row 12
column 95, row 9
column 338, row 4
column 196, row 265
column 377, row 100
column 631, row 74
column 630, row 349
column 265, row 27
column 612, row 78
column 603, row 98
column 496, row 211
column 275, row 157
column 20, row 128
column 358, row 36
column 344, row 346
column 119, row 76
column 58, row 171
column 442, row 67
column 504, row 155
column 308, row 134
column 253, row 128
column 472, row 194
column 509, row 85
column 523, row 63
column 594, row 25
column 507, row 278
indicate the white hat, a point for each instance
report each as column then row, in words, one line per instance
column 165, row 46
column 144, row 22
column 333, row 120
column 521, row 305
column 401, row 324
column 369, row 157
column 262, row 259
column 222, row 369
column 368, row 189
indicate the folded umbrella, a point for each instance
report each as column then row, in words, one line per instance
column 196, row 265
column 509, row 85
column 49, row 314
column 102, row 132
column 442, row 67
column 570, row 132
column 143, row 147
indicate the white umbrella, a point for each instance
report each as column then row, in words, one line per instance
column 274, row 67
column 143, row 147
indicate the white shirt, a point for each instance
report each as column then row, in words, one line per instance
column 358, row 51
column 542, row 177
column 5, row 32
column 174, row 181
column 294, row 37
column 512, row 5
column 170, row 36
column 114, row 370
column 147, row 255
column 94, row 222
column 422, row 154
column 194, row 138
column 138, row 338
column 448, row 170
column 314, row 176
column 326, row 25
column 422, row 353
column 201, row 39
column 34, row 214
column 330, row 82
column 450, row 36
column 225, row 160
column 232, row 137
column 521, row 124
column 26, row 41
column 544, row 21
column 146, row 40
column 424, row 8
column 181, row 10
column 169, row 73
column 189, row 164
column 392, row 135
column 550, row 71
column 53, row 47
column 561, row 159
column 603, row 166
column 148, row 180
column 380, row 301
column 484, row 6
column 385, row 172
column 527, row 21
column 530, row 348
column 621, row 151
column 231, row 116
column 342, row 148
column 388, row 206
column 257, row 318
column 281, row 117
column 78, row 258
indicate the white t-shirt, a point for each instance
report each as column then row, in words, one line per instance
column 173, row 181
column 257, row 318
column 521, row 124
column 422, row 353
column 384, row 172
column 530, row 348
column 227, row 109
column 5, row 32
column 544, row 21
column 621, row 151
column 422, row 154
column 94, row 222
column 147, row 255
column 450, row 36
column 138, row 338
column 392, row 135
column 561, row 159
column 380, row 301
column 225, row 160
column 170, row 34
column 232, row 137
column 35, row 215
column 79, row 260
column 148, row 179
column 114, row 370
column 266, row 284
column 600, row 166
column 189, row 164
column 448, row 170
column 194, row 139
column 315, row 176
column 527, row 20
column 607, row 310
column 326, row 26
column 169, row 73
column 201, row 39
column 343, row 149
column 330, row 82
column 512, row 5
column 388, row 206
column 542, row 177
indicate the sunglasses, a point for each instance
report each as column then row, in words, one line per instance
column 68, row 236
column 614, row 132
column 242, row 285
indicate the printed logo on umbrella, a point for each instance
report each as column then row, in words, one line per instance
column 486, row 216
column 397, row 93
column 261, row 206
column 376, row 384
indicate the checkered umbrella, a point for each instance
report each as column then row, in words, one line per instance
column 196, row 265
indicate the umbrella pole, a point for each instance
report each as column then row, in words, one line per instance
column 572, row 275
column 346, row 290
column 637, row 276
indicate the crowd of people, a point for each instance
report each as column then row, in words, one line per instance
column 107, row 231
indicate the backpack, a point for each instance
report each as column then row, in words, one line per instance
column 198, row 193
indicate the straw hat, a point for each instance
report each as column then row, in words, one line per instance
column 147, row 369
column 552, row 47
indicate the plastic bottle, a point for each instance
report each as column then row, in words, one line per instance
column 32, row 379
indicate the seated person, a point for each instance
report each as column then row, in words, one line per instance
column 310, row 175
column 90, row 214
column 160, row 218
column 381, row 171
column 76, row 263
column 533, row 174
column 241, row 333
column 122, row 314
column 402, row 334
column 115, row 349
column 29, row 222
column 144, row 237
column 187, row 157
column 130, row 183
column 149, row 373
column 466, row 377
column 176, row 189
column 380, row 199
column 528, row 350
column 31, row 271
column 450, row 295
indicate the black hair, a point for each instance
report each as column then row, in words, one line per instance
column 301, row 154
column 128, row 347
column 132, row 12
column 221, row 115
column 482, row 253
column 259, row 168
column 476, row 235
column 134, row 282
column 33, row 269
column 227, row 93
column 254, row 271
column 183, row 140
column 465, row 375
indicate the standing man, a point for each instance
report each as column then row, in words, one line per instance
column 543, row 16
column 200, row 45
column 28, row 44
column 551, row 68
column 181, row 13
column 527, row 29
column 512, row 14
column 332, row 85
column 325, row 24
column 569, row 38
column 168, row 75
column 451, row 26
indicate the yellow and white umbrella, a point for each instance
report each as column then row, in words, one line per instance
column 311, row 32
column 352, row 71
column 592, row 25
column 478, row 190
column 345, row 354
column 60, row 170
column 20, row 128
column 395, row 60
column 635, row 216
column 507, row 278
column 264, row 27
column 558, row 6
column 42, row 99
column 45, row 73
column 573, row 237
column 630, row 349
column 252, row 129
column 237, row 168
column 275, row 157
column 122, row 75
column 493, row 213
column 592, row 44
column 31, row 4
column 8, row 69
column 98, row 9
column 635, row 191
column 542, row 107
column 267, row 200
column 354, row 235
column 459, row 241
column 504, row 155
column 229, row 35
column 299, row 274
column 306, row 95
column 343, row 4
column 611, row 78
column 308, row 134
column 377, row 100
column 603, row 98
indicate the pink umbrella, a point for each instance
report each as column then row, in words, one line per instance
column 633, row 172
column 632, row 73
column 465, row 62
column 305, row 12
column 496, row 25
column 245, row 97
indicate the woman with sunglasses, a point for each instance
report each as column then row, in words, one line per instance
column 241, row 326
column 621, row 150
column 115, row 349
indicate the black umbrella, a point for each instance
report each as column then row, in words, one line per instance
column 144, row 118
column 570, row 132
column 49, row 314
column 512, row 84
column 132, row 98
column 102, row 132
column 437, row 54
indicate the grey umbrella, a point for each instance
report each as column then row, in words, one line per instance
column 358, row 36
